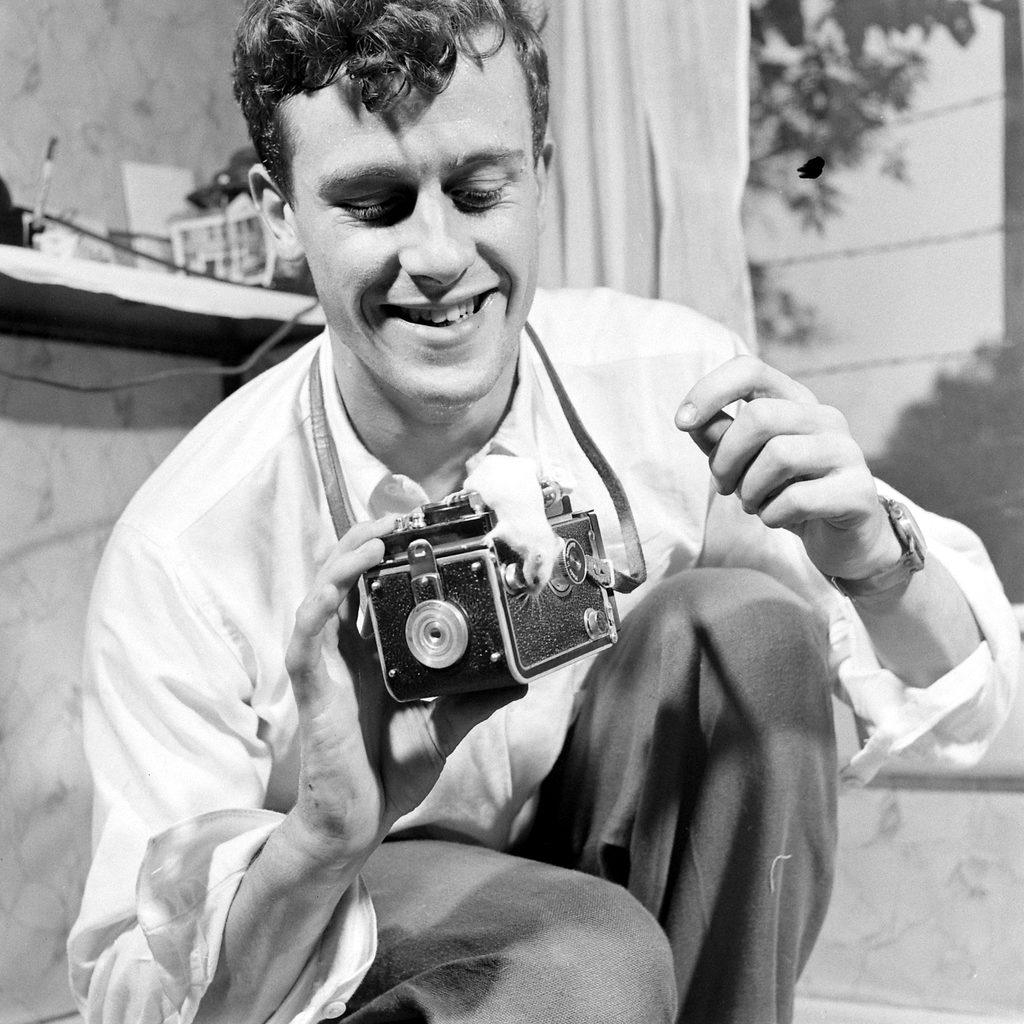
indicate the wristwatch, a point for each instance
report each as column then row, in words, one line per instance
column 908, row 533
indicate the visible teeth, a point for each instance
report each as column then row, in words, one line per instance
column 449, row 315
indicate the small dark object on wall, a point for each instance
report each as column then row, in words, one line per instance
column 813, row 167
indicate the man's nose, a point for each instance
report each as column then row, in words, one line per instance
column 435, row 247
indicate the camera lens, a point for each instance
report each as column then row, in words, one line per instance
column 437, row 633
column 574, row 561
column 570, row 568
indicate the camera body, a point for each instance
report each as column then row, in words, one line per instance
column 451, row 611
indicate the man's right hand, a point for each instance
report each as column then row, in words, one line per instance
column 366, row 759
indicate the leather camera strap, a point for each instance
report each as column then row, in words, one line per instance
column 327, row 454
column 341, row 510
column 623, row 583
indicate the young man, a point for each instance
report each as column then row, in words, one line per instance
column 643, row 837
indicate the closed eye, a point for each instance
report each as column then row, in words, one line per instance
column 478, row 200
column 383, row 212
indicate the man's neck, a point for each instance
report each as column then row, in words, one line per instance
column 432, row 450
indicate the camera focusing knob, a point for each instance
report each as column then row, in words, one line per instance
column 570, row 568
column 572, row 562
column 597, row 624
column 514, row 578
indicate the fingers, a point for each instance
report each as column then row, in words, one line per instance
column 794, row 464
column 360, row 549
column 340, row 569
column 711, row 431
column 785, row 459
column 356, row 537
column 758, row 433
column 743, row 377
column 788, row 458
column 835, row 498
column 316, row 619
column 303, row 653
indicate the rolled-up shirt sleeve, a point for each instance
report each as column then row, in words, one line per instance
column 180, row 775
column 953, row 720
column 950, row 722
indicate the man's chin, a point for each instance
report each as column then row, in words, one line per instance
column 446, row 406
column 446, row 399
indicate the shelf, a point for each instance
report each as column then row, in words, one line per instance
column 43, row 296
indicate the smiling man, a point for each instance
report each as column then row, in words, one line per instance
column 644, row 836
column 420, row 227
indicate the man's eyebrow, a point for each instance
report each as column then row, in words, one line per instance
column 385, row 171
column 495, row 155
column 332, row 180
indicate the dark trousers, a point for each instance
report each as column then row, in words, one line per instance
column 681, row 861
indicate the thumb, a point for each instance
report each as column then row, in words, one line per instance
column 706, row 433
column 454, row 715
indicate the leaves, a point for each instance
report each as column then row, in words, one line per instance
column 827, row 85
column 856, row 18
column 788, row 17
column 817, row 87
column 781, row 317
column 824, row 104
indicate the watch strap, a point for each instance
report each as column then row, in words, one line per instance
column 899, row 574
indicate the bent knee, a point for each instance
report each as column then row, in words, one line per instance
column 725, row 594
column 742, row 607
column 601, row 956
column 765, row 643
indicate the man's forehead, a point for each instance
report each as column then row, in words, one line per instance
column 485, row 99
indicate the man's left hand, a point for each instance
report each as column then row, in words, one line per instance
column 792, row 462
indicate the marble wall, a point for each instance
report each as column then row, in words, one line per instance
column 113, row 81
column 928, row 905
column 68, row 465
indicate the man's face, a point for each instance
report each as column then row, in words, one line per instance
column 420, row 227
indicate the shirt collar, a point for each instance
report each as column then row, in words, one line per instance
column 373, row 490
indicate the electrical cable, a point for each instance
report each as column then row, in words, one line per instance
column 181, row 269
column 271, row 341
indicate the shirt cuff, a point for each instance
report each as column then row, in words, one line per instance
column 188, row 879
column 931, row 723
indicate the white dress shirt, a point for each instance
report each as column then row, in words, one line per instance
column 190, row 724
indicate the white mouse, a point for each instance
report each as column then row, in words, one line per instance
column 510, row 486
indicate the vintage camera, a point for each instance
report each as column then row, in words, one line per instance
column 451, row 611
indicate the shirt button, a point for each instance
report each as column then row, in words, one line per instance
column 335, row 1009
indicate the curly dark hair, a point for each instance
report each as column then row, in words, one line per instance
column 388, row 47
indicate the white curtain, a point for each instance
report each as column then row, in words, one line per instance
column 649, row 119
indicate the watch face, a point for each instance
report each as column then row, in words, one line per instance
column 907, row 531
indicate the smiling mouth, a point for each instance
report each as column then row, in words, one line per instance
column 439, row 316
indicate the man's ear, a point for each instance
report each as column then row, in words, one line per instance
column 543, row 175
column 277, row 213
